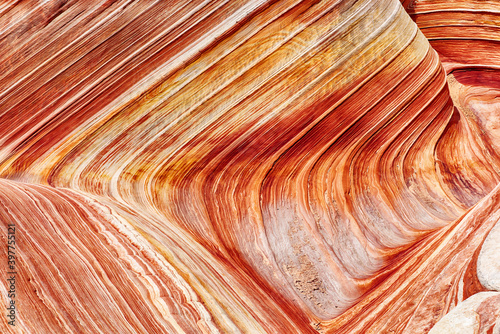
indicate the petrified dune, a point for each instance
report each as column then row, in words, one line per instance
column 250, row 166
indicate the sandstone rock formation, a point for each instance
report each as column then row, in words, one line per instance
column 250, row 166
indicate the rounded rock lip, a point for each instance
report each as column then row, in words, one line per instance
column 465, row 318
column 488, row 262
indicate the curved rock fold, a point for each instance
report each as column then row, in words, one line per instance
column 250, row 166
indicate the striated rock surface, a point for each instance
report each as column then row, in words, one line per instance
column 250, row 166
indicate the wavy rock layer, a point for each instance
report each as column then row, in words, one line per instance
column 249, row 166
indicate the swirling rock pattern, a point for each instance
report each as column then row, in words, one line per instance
column 250, row 166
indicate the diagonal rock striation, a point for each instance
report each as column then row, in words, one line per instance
column 250, row 166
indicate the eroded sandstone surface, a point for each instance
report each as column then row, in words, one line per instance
column 250, row 166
